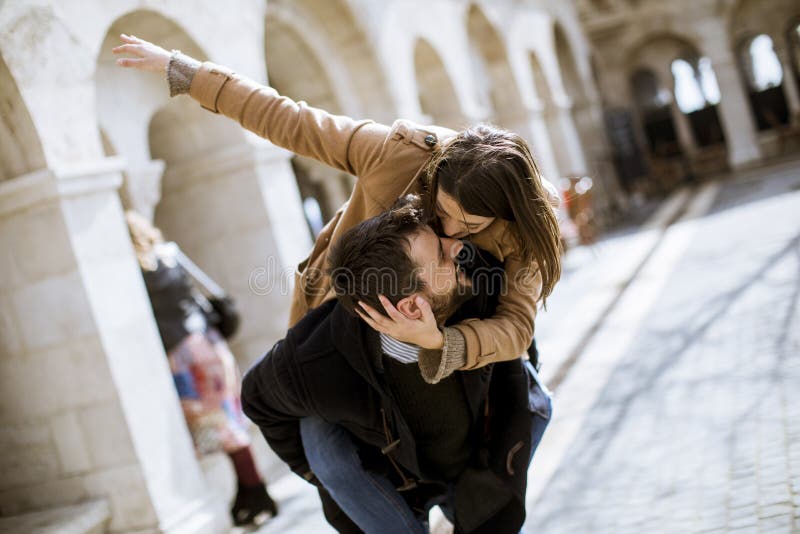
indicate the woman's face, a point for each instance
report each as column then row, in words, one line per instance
column 456, row 222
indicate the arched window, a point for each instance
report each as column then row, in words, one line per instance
column 695, row 85
column 708, row 81
column 793, row 39
column 765, row 67
column 688, row 92
column 763, row 73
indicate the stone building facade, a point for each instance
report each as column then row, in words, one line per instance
column 695, row 87
column 88, row 410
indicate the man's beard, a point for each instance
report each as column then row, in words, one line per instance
column 443, row 306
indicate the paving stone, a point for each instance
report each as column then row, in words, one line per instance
column 777, row 525
column 698, row 428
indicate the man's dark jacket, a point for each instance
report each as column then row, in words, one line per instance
column 326, row 367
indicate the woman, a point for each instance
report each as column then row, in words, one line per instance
column 481, row 184
column 202, row 366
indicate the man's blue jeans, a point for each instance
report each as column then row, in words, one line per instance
column 370, row 500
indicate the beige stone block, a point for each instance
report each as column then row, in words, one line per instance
column 10, row 338
column 96, row 226
column 30, row 432
column 17, row 377
column 106, row 434
column 191, row 215
column 9, row 272
column 125, row 488
column 42, row 495
column 40, row 244
column 247, row 252
column 92, row 381
column 117, row 294
column 28, row 464
column 239, row 199
column 53, row 311
column 70, row 442
column 70, row 375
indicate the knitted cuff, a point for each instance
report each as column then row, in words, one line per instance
column 180, row 72
column 438, row 364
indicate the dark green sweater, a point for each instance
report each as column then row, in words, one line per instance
column 438, row 416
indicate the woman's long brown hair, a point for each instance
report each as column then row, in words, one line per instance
column 491, row 173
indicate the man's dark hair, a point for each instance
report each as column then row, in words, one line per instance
column 373, row 258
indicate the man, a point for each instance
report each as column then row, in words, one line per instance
column 348, row 409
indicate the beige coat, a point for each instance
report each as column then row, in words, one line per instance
column 388, row 162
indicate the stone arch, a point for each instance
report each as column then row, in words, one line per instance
column 437, row 96
column 567, row 60
column 756, row 56
column 297, row 69
column 761, row 28
column 555, row 122
column 792, row 33
column 341, row 39
column 699, row 131
column 126, row 101
column 20, row 147
column 752, row 17
column 495, row 80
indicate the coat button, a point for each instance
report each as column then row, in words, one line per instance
column 430, row 140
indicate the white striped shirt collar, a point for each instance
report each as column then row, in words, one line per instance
column 398, row 350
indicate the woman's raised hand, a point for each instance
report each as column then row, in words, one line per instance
column 422, row 331
column 147, row 56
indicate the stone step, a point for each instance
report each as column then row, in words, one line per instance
column 87, row 518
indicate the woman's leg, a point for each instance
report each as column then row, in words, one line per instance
column 252, row 498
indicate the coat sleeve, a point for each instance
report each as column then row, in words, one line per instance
column 509, row 332
column 341, row 142
column 272, row 399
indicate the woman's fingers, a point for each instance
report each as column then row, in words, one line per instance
column 135, row 49
column 374, row 314
column 129, row 62
column 425, row 307
column 391, row 311
column 146, row 56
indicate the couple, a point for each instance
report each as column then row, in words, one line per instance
column 375, row 398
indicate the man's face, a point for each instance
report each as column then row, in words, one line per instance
column 447, row 285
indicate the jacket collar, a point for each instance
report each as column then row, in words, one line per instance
column 357, row 343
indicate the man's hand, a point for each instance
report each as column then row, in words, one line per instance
column 423, row 331
column 147, row 56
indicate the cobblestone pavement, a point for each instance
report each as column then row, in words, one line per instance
column 698, row 426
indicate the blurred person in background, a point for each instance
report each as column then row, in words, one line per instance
column 193, row 329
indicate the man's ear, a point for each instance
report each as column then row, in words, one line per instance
column 408, row 307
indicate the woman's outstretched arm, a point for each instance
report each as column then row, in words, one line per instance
column 349, row 145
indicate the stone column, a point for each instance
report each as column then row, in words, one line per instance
column 142, row 186
column 683, row 129
column 77, row 327
column 533, row 127
column 790, row 89
column 736, row 114
column 573, row 148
